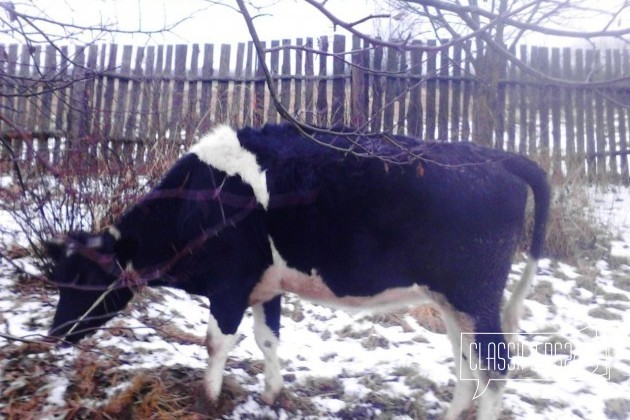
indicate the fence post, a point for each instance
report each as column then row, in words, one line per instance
column 610, row 121
column 192, row 115
column 309, row 72
column 444, row 93
column 414, row 111
column 322, row 91
column 236, row 119
column 377, row 89
column 79, row 106
column 390, row 89
column 358, row 112
column 556, row 157
column 569, row 107
column 623, row 114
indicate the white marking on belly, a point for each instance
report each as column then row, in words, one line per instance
column 221, row 149
column 280, row 278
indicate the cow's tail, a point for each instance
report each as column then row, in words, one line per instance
column 536, row 178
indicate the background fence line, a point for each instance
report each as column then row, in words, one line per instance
column 140, row 95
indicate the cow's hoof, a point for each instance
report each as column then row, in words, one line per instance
column 269, row 397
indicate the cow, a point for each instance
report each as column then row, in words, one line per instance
column 356, row 221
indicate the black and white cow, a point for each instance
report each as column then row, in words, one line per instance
column 247, row 215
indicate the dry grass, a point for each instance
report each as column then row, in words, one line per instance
column 573, row 231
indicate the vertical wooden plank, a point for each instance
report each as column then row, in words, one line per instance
column 145, row 91
column 309, row 83
column 414, row 111
column 523, row 91
column 90, row 88
column 191, row 118
column 600, row 128
column 610, row 122
column 377, row 90
column 176, row 123
column 556, row 123
column 121, row 97
column 590, row 120
column 35, row 88
column 511, row 98
column 248, row 85
column 147, row 95
column 223, row 84
column 4, row 127
column 49, row 73
column 402, row 88
column 444, row 92
column 500, row 105
column 580, row 134
column 131, row 132
column 166, row 89
column 236, row 120
column 339, row 82
column 206, row 88
column 110, row 89
column 468, row 87
column 156, row 100
column 77, row 115
column 3, row 94
column 534, row 97
column 544, row 108
column 431, row 92
column 259, row 93
column 9, row 102
column 390, row 89
column 274, row 68
column 99, row 87
column 569, row 111
column 21, row 116
column 358, row 112
column 60, row 113
column 322, row 85
column 284, row 84
column 623, row 67
column 297, row 99
column 457, row 92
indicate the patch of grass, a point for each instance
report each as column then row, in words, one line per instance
column 320, row 386
column 617, row 408
column 604, row 313
column 573, row 231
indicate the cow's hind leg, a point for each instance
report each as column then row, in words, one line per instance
column 266, row 331
column 226, row 313
column 464, row 389
column 493, row 361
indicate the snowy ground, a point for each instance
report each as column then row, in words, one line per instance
column 150, row 362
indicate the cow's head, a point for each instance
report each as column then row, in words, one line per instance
column 86, row 268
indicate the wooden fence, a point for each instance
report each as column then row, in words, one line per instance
column 175, row 92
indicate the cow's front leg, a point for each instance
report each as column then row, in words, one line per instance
column 226, row 313
column 266, row 331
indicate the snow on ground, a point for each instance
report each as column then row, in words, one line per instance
column 576, row 331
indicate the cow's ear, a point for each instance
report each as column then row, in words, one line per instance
column 55, row 248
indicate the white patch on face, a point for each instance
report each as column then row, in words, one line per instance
column 95, row 242
column 268, row 343
column 115, row 232
column 221, row 149
column 218, row 345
